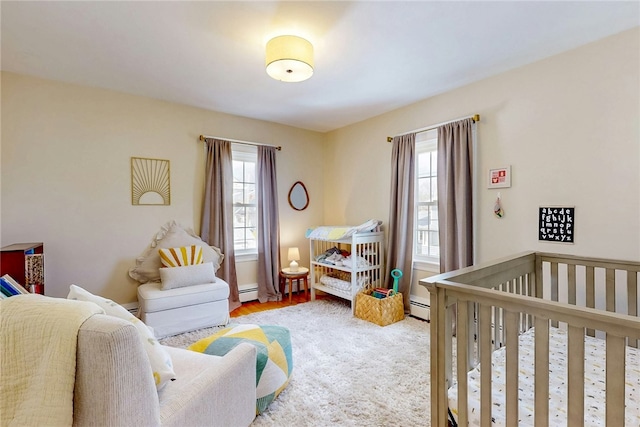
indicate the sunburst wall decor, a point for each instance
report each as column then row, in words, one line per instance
column 150, row 181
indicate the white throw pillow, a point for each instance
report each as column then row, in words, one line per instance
column 171, row 235
column 188, row 275
column 159, row 359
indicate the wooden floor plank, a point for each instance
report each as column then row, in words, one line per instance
column 256, row 306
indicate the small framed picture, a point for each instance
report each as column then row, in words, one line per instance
column 499, row 177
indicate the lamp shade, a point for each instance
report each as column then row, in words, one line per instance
column 289, row 58
column 294, row 254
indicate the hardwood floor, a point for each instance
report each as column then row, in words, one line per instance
column 255, row 306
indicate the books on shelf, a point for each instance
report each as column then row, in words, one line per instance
column 9, row 287
column 34, row 270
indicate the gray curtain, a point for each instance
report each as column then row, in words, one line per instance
column 455, row 194
column 217, row 214
column 268, row 226
column 401, row 210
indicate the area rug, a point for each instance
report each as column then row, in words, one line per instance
column 346, row 371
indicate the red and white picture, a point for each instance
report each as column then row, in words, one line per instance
column 500, row 177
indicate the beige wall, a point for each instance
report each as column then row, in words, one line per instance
column 66, row 177
column 567, row 125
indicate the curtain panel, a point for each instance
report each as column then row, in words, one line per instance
column 401, row 213
column 455, row 194
column 217, row 216
column 268, row 226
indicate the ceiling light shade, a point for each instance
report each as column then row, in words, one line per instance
column 289, row 58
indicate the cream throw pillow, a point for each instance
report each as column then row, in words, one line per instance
column 171, row 235
column 159, row 359
column 189, row 275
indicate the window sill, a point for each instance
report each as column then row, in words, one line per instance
column 246, row 258
column 426, row 266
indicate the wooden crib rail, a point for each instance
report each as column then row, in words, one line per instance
column 499, row 300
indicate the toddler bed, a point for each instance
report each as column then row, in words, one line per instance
column 533, row 318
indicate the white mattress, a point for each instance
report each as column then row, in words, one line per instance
column 594, row 383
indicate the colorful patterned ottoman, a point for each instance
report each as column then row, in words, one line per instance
column 275, row 362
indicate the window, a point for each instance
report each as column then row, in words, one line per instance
column 426, row 244
column 245, row 215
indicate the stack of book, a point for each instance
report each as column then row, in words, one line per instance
column 34, row 272
column 9, row 287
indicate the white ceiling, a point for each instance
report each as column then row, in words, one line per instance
column 370, row 57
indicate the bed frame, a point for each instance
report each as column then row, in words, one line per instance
column 478, row 309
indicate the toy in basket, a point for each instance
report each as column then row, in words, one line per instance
column 380, row 305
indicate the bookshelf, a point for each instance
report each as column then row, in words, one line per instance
column 25, row 263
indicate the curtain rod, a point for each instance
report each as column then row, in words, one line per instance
column 237, row 141
column 475, row 117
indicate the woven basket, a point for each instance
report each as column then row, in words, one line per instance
column 383, row 311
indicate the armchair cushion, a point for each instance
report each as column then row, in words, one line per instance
column 161, row 364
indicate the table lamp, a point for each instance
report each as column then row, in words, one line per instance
column 294, row 255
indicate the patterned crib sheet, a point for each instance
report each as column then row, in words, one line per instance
column 594, row 383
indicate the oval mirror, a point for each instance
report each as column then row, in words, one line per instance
column 298, row 196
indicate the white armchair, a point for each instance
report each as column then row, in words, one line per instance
column 114, row 384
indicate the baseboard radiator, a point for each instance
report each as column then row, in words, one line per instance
column 419, row 307
column 248, row 292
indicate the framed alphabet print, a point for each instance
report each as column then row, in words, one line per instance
column 557, row 224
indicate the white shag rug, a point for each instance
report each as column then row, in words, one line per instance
column 346, row 371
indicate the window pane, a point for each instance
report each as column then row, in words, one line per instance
column 434, row 163
column 238, row 238
column 433, row 217
column 239, row 217
column 424, row 164
column 424, row 190
column 434, row 244
column 250, row 172
column 238, row 193
column 251, row 239
column 251, row 216
column 249, row 194
column 238, row 171
column 434, row 190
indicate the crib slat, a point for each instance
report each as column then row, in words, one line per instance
column 511, row 332
column 554, row 287
column 615, row 366
column 632, row 289
column 485, row 364
column 462, row 361
column 591, row 293
column 571, row 274
column 575, row 368
column 541, row 416
column 529, row 282
column 610, row 289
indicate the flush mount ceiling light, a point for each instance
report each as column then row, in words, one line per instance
column 289, row 58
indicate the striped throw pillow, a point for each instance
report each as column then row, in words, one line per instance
column 182, row 256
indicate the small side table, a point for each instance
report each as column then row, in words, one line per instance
column 286, row 275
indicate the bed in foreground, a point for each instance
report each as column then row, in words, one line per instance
column 532, row 318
